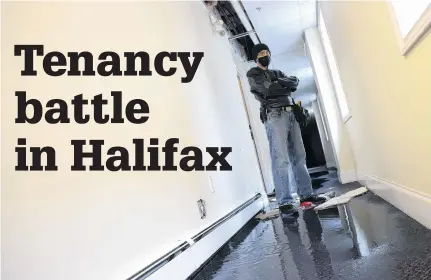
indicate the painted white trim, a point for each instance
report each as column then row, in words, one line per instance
column 321, row 73
column 324, row 125
column 332, row 64
column 415, row 204
column 416, row 32
column 190, row 260
column 347, row 177
column 323, row 134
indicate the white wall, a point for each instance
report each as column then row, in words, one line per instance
column 326, row 96
column 105, row 225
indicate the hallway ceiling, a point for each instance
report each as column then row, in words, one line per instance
column 280, row 25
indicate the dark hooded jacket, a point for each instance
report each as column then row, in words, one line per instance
column 272, row 87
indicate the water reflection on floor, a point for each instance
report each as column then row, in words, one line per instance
column 367, row 239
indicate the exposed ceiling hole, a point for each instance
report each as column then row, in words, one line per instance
column 234, row 25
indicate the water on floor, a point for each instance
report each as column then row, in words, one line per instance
column 366, row 239
column 320, row 179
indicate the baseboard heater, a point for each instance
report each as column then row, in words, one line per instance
column 163, row 260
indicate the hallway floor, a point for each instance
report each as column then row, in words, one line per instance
column 366, row 239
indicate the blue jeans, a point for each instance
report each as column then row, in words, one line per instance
column 287, row 154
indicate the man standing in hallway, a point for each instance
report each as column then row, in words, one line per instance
column 272, row 88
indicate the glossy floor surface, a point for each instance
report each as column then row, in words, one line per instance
column 366, row 239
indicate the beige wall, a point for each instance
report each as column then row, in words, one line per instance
column 389, row 95
column 106, row 225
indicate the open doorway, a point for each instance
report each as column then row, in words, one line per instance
column 317, row 161
column 313, row 145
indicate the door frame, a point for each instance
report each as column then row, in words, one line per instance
column 256, row 151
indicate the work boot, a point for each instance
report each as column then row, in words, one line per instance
column 288, row 209
column 316, row 200
column 271, row 194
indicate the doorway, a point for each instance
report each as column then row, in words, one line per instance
column 313, row 145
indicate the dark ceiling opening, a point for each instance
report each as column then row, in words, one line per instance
column 234, row 25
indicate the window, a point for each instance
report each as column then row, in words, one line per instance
column 412, row 19
column 336, row 80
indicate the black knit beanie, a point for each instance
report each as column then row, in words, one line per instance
column 257, row 49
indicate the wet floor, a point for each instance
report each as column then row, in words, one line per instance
column 366, row 239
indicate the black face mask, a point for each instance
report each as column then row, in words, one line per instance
column 264, row 61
